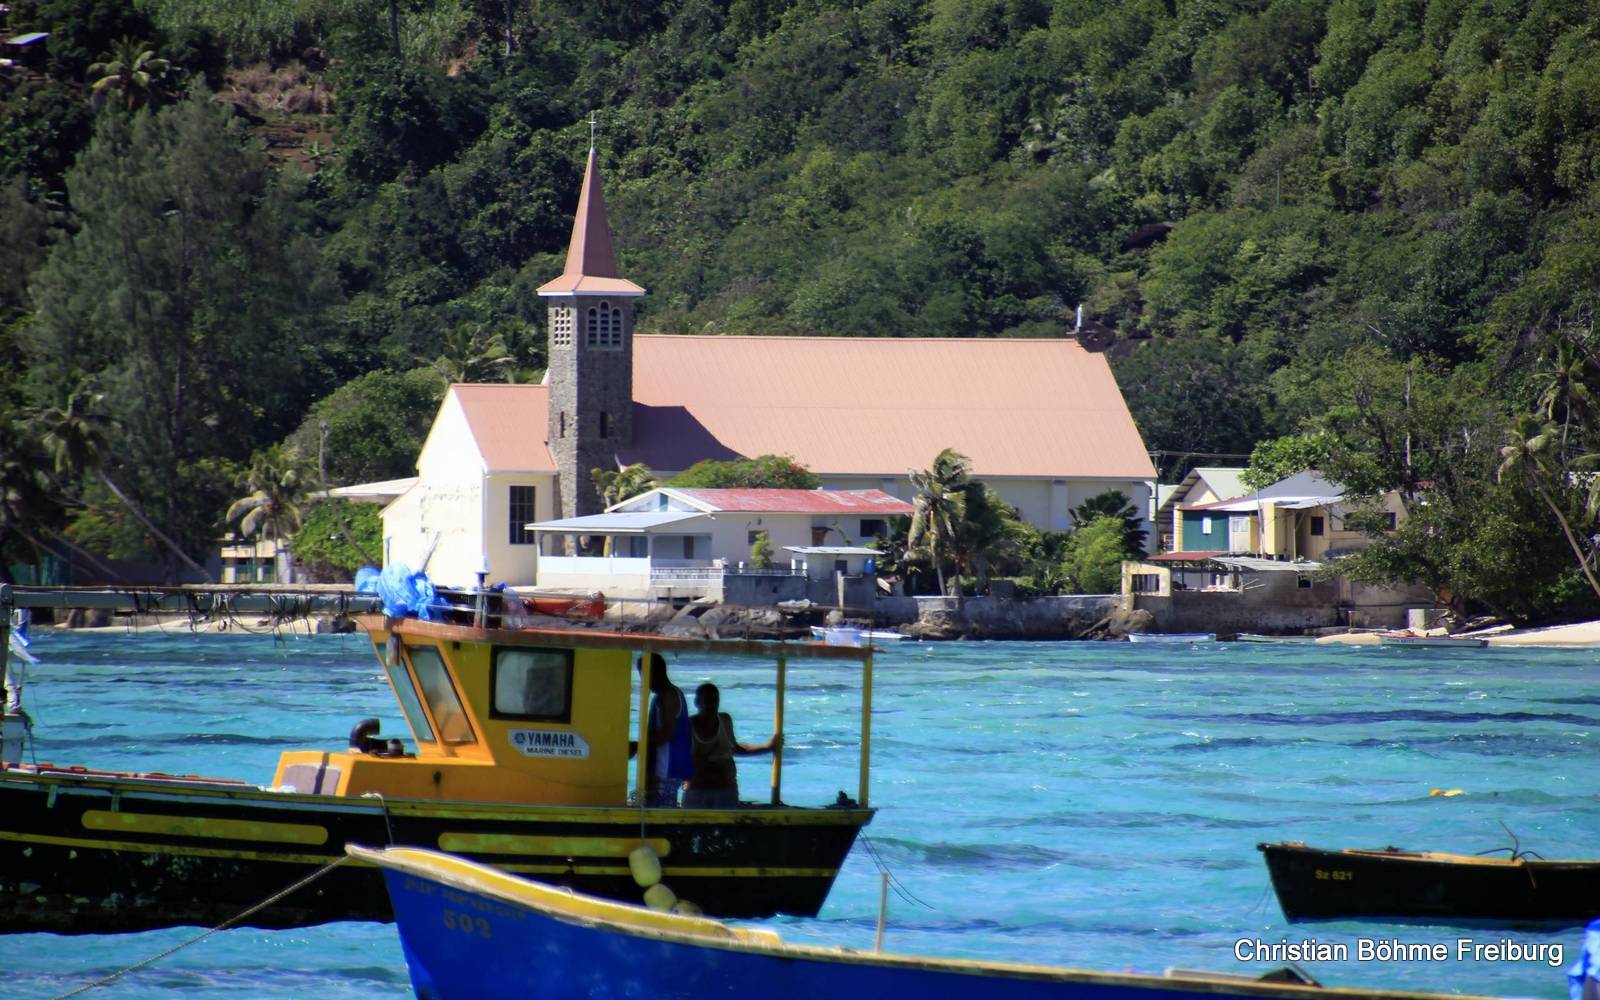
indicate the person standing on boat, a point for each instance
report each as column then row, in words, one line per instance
column 715, row 781
column 670, row 760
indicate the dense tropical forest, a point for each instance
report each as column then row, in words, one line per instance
column 1360, row 235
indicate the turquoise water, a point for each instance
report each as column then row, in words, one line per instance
column 1088, row 804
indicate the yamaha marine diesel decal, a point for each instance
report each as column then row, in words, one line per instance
column 550, row 743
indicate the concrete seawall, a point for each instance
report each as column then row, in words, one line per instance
column 1065, row 616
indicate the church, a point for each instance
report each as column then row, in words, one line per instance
column 1042, row 419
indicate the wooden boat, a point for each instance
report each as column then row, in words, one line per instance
column 593, row 606
column 1317, row 884
column 518, row 752
column 1253, row 637
column 1431, row 641
column 853, row 636
column 1172, row 637
column 471, row 931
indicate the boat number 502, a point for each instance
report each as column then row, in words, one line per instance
column 1335, row 876
column 466, row 923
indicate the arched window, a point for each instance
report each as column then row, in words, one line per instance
column 563, row 423
column 616, row 327
column 603, row 329
column 605, row 424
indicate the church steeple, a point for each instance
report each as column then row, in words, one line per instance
column 591, row 261
column 591, row 353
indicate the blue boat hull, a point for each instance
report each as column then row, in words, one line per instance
column 466, row 937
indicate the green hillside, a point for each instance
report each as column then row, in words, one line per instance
column 1382, row 243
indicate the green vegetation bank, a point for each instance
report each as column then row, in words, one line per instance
column 1360, row 234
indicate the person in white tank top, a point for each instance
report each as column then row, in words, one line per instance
column 715, row 781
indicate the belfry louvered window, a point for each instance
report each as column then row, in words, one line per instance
column 603, row 327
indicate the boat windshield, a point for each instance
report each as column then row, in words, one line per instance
column 441, row 695
column 410, row 704
column 532, row 684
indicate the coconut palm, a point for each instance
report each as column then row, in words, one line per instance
column 131, row 69
column 24, row 493
column 271, row 510
column 991, row 536
column 1114, row 504
column 941, row 510
column 277, row 484
column 617, row 485
column 1533, row 453
column 75, row 433
column 468, row 354
column 1565, row 395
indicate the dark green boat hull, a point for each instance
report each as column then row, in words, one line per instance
column 95, row 853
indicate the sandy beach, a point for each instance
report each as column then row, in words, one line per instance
column 1574, row 636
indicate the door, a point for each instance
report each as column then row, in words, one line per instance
column 1239, row 533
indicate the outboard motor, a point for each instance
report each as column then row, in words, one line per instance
column 364, row 737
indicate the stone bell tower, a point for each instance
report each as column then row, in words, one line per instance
column 591, row 354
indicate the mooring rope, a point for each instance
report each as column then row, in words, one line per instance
column 275, row 897
column 384, row 804
column 899, row 887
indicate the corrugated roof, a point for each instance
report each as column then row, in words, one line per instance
column 848, row 406
column 833, row 550
column 384, row 489
column 1268, row 565
column 624, row 522
column 1185, row 556
column 773, row 501
column 1225, row 483
column 879, row 406
column 28, row 38
column 1298, row 492
column 509, row 423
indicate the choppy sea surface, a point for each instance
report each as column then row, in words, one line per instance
column 1084, row 804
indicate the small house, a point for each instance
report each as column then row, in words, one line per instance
column 1305, row 516
column 1200, row 486
column 672, row 543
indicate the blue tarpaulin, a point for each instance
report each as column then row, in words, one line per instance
column 403, row 592
column 1583, row 979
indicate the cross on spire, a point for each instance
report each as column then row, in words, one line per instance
column 592, row 123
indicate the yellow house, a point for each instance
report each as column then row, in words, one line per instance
column 1303, row 517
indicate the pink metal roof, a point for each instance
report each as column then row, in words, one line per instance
column 591, row 262
column 770, row 501
column 879, row 406
column 849, row 406
column 510, row 424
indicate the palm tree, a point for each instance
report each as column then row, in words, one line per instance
column 1114, row 504
column 131, row 68
column 75, row 433
column 24, row 492
column 941, row 510
column 1565, row 395
column 470, row 355
column 277, row 484
column 617, row 485
column 1533, row 451
column 990, row 536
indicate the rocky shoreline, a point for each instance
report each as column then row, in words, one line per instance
column 935, row 623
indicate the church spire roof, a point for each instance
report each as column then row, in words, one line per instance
column 591, row 261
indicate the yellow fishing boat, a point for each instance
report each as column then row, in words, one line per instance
column 518, row 754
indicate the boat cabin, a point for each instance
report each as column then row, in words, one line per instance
column 529, row 716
